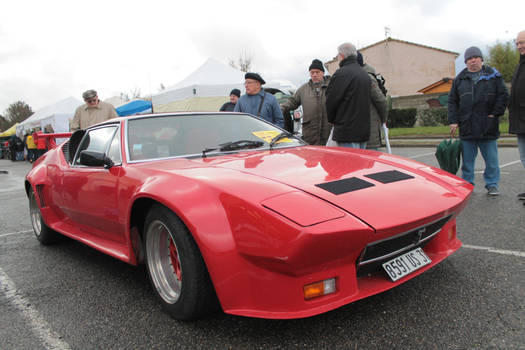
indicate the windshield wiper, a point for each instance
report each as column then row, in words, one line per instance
column 206, row 150
column 279, row 137
column 235, row 145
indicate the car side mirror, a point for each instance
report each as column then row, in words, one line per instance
column 92, row 158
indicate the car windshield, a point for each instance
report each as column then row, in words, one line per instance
column 203, row 135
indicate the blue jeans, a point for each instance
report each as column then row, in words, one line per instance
column 521, row 148
column 489, row 152
column 361, row 145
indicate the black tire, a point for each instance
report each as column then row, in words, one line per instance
column 175, row 266
column 42, row 232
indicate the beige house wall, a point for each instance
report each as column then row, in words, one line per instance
column 407, row 67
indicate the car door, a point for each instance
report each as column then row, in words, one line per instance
column 90, row 193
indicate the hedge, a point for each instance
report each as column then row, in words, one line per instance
column 402, row 118
column 433, row 117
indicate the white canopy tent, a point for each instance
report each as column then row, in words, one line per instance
column 206, row 89
column 57, row 115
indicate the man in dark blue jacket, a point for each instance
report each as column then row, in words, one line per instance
column 477, row 99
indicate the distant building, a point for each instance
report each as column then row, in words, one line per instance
column 443, row 85
column 407, row 67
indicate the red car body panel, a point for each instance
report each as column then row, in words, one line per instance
column 263, row 227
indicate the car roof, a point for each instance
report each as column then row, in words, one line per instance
column 165, row 114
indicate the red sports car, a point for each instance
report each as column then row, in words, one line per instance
column 227, row 210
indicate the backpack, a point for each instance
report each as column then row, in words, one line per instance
column 380, row 81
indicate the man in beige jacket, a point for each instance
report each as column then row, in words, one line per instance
column 92, row 112
column 312, row 96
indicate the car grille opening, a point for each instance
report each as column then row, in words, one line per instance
column 40, row 192
column 65, row 150
column 378, row 252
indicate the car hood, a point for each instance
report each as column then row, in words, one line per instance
column 380, row 189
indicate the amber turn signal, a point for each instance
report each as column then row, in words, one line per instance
column 318, row 289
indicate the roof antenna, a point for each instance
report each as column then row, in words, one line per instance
column 387, row 32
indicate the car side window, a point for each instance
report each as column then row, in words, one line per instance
column 97, row 140
column 114, row 149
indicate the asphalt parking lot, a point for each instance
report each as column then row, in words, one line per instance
column 70, row 296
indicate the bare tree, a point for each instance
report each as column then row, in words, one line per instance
column 244, row 62
column 124, row 96
column 17, row 112
column 4, row 124
column 132, row 94
column 135, row 93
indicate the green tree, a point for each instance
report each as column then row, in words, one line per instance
column 504, row 57
column 17, row 112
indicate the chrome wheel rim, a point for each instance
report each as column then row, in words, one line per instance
column 36, row 217
column 163, row 262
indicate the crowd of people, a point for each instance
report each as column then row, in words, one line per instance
column 348, row 109
column 17, row 149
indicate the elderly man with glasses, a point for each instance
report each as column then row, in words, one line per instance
column 92, row 112
column 258, row 102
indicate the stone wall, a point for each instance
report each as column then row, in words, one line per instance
column 420, row 101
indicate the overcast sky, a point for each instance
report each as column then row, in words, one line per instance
column 50, row 50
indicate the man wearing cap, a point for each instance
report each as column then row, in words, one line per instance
column 348, row 100
column 92, row 112
column 476, row 100
column 517, row 102
column 258, row 102
column 312, row 96
column 230, row 106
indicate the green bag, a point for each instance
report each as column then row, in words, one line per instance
column 448, row 154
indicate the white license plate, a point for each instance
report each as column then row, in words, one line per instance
column 405, row 264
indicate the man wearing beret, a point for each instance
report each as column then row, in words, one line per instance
column 312, row 96
column 476, row 100
column 92, row 112
column 517, row 102
column 230, row 106
column 258, row 102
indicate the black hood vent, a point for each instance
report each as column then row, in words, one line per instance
column 345, row 185
column 389, row 176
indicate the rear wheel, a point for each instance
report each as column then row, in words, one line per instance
column 42, row 232
column 175, row 266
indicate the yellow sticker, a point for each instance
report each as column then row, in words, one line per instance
column 269, row 135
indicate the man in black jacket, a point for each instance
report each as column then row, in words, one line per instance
column 348, row 100
column 517, row 102
column 234, row 97
column 477, row 98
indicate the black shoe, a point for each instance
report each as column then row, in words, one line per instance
column 493, row 191
column 521, row 196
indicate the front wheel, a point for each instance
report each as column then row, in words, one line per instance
column 42, row 232
column 175, row 266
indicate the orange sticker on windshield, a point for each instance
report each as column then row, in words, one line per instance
column 269, row 135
